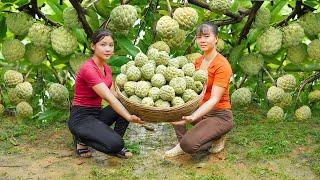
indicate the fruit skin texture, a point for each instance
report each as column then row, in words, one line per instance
column 70, row 17
column 39, row 34
column 142, row 89
column 310, row 23
column 303, row 113
column 314, row 49
column 158, row 80
column 286, row 101
column 24, row 110
column 177, row 40
column 220, row 6
column 154, row 93
column 13, row 50
column 189, row 95
column 200, row 75
column 24, row 90
column 147, row 101
column 13, row 98
column 12, row 78
column 19, row 23
column 62, row 41
column 1, row 110
column 179, row 85
column 167, row 93
column 135, row 99
column 77, row 60
column 129, row 87
column 241, row 97
column 147, row 71
column 121, row 79
column 124, row 16
column 193, row 57
column 189, row 69
column 314, row 96
column 270, row 41
column 140, row 59
column 162, row 104
column 296, row 54
column 177, row 101
column 251, row 64
column 286, row 82
column 275, row 113
column 58, row 93
column 160, row 46
column 187, row 17
column 35, row 54
column 292, row 35
column 275, row 94
column 133, row 73
column 262, row 19
column 167, row 27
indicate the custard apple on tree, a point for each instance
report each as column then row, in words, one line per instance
column 62, row 41
column 262, row 18
column 177, row 40
column 292, row 35
column 187, row 17
column 296, row 54
column 124, row 16
column 287, row 82
column 286, row 101
column 241, row 97
column 220, row 6
column 270, row 41
column 13, row 50
column 275, row 113
column 39, row 34
column 70, row 17
column 314, row 96
column 77, row 60
column 11, row 78
column 24, row 110
column 35, row 54
column 19, row 23
column 167, row 27
column 310, row 23
column 251, row 64
column 13, row 98
column 314, row 49
column 303, row 113
column 58, row 93
column 275, row 94
column 24, row 90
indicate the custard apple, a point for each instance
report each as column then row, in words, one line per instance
column 187, row 17
column 177, row 101
column 147, row 101
column 161, row 69
column 154, row 93
column 275, row 113
column 180, row 73
column 11, row 78
column 63, row 42
column 35, row 54
column 189, row 69
column 179, row 85
column 287, row 82
column 147, row 71
column 174, row 62
column 262, row 18
column 314, row 96
column 286, row 101
column 129, row 87
column 123, row 69
column 77, row 60
column 133, row 73
column 39, row 34
column 303, row 113
column 314, row 49
column 121, row 79
column 162, row 104
column 182, row 61
column 115, row 29
column 124, row 16
column 70, row 17
column 310, row 23
column 200, row 75
column 296, row 54
column 162, row 59
column 167, row 93
column 141, row 59
column 158, row 80
column 135, row 98
column 160, row 46
column 189, row 95
column 251, row 64
column 189, row 82
column 275, row 94
column 177, row 40
column 167, row 27
column 270, row 41
column 24, row 90
column 13, row 98
column 170, row 73
column 13, row 50
column 142, row 88
column 58, row 93
column 198, row 87
column 193, row 57
column 241, row 97
column 220, row 6
column 19, row 23
column 292, row 35
column 24, row 110
column 1, row 110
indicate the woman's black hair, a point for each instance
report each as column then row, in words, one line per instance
column 207, row 26
column 100, row 34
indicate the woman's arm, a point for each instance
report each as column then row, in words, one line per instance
column 205, row 108
column 113, row 91
column 105, row 93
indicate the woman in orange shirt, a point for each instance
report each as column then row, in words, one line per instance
column 213, row 119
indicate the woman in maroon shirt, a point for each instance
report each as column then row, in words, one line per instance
column 88, row 122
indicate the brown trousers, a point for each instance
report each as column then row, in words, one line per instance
column 206, row 129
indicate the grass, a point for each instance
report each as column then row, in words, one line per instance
column 256, row 148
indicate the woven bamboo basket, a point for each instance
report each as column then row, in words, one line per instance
column 155, row 114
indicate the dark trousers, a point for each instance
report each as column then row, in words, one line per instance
column 90, row 126
column 206, row 129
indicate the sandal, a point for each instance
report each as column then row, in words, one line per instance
column 124, row 154
column 81, row 152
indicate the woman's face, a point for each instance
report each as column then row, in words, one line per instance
column 206, row 40
column 104, row 48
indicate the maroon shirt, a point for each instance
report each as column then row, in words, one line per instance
column 88, row 76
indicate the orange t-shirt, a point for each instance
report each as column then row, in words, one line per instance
column 219, row 74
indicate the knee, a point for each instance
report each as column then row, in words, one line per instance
column 117, row 145
column 187, row 146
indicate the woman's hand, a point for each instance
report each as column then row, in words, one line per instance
column 136, row 119
column 188, row 119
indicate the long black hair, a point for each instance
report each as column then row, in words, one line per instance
column 99, row 34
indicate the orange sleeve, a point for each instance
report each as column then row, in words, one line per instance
column 197, row 63
column 222, row 76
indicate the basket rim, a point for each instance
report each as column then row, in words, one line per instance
column 152, row 108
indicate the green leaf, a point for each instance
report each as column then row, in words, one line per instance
column 253, row 34
column 81, row 35
column 236, row 54
column 103, row 8
column 126, row 44
column 92, row 19
column 118, row 60
column 22, row 2
column 3, row 28
column 276, row 9
column 55, row 6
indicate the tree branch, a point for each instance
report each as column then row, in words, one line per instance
column 269, row 75
column 55, row 72
column 306, row 81
column 242, row 81
column 296, row 10
column 37, row 11
column 251, row 17
column 82, row 18
column 169, row 8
